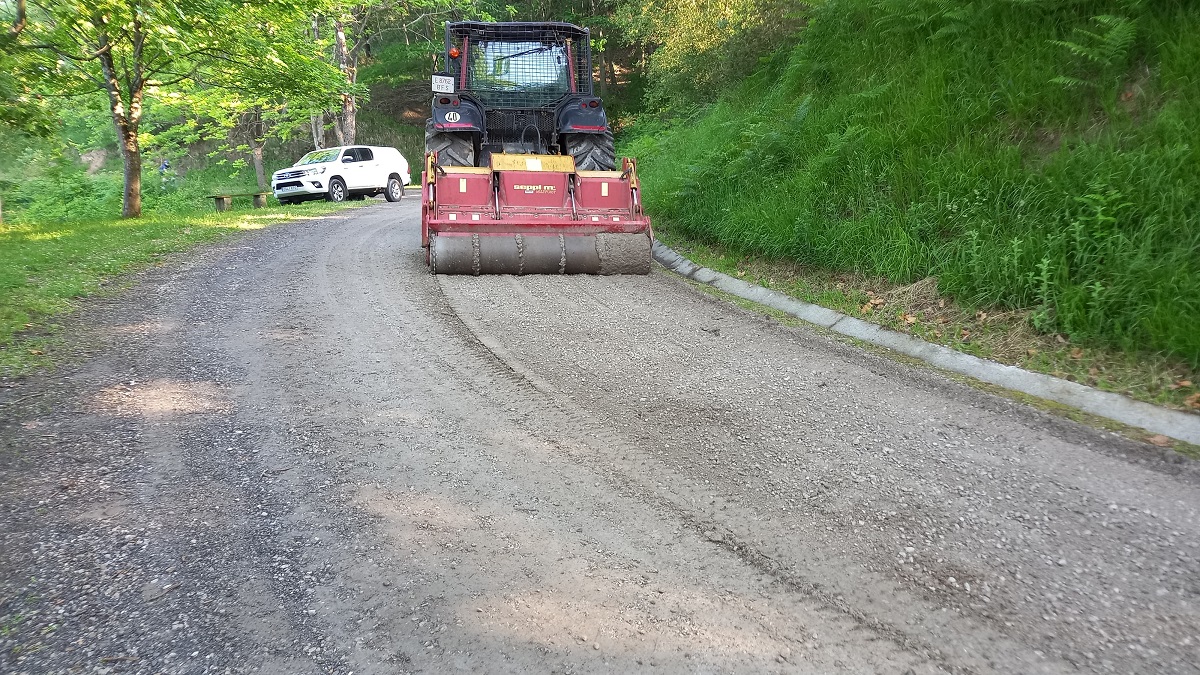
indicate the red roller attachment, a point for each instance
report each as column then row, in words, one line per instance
column 533, row 214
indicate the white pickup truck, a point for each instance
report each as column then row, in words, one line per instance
column 342, row 173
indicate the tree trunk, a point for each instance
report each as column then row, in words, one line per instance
column 603, row 73
column 342, row 54
column 132, row 155
column 257, row 153
column 258, row 139
column 349, row 121
column 337, row 131
column 317, row 122
column 125, row 122
column 18, row 24
column 601, row 51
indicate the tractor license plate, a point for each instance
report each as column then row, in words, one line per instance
column 443, row 84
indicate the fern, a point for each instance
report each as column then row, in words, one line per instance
column 938, row 18
column 1102, row 49
column 1068, row 82
column 1106, row 47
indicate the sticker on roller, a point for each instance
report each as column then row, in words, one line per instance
column 462, row 184
column 453, row 117
column 533, row 164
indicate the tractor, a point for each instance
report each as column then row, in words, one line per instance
column 520, row 173
column 518, row 88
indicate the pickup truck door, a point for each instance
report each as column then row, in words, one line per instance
column 349, row 168
column 371, row 169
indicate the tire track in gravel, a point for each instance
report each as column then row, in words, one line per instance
column 299, row 453
column 1074, row 476
column 342, row 307
column 493, row 378
column 628, row 468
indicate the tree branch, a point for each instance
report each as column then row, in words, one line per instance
column 99, row 82
column 18, row 23
column 72, row 57
column 155, row 66
column 179, row 78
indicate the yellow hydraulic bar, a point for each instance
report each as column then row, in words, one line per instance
column 510, row 162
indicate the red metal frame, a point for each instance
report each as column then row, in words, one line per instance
column 522, row 202
column 571, row 67
column 466, row 55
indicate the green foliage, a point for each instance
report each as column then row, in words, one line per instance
column 400, row 64
column 215, row 61
column 700, row 47
column 63, row 191
column 380, row 129
column 20, row 107
column 1103, row 51
column 932, row 138
column 1105, row 48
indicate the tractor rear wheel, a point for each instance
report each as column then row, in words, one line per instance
column 592, row 152
column 453, row 149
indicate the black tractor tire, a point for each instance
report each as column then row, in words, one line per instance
column 453, row 149
column 394, row 190
column 592, row 152
column 337, row 191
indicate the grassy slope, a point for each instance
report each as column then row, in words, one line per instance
column 921, row 137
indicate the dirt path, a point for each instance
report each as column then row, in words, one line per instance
column 300, row 453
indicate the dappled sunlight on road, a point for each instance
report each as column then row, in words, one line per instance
column 160, row 398
column 143, row 328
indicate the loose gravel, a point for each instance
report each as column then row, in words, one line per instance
column 297, row 452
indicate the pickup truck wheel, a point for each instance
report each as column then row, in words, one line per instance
column 337, row 191
column 394, row 191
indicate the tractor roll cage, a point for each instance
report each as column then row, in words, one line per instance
column 542, row 63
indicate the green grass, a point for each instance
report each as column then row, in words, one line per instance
column 47, row 269
column 1039, row 155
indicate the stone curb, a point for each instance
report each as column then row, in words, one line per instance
column 1175, row 424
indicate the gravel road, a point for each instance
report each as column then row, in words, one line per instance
column 297, row 452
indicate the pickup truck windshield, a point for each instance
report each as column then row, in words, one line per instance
column 319, row 156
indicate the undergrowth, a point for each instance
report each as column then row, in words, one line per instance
column 1029, row 154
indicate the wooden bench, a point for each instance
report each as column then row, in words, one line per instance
column 225, row 202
